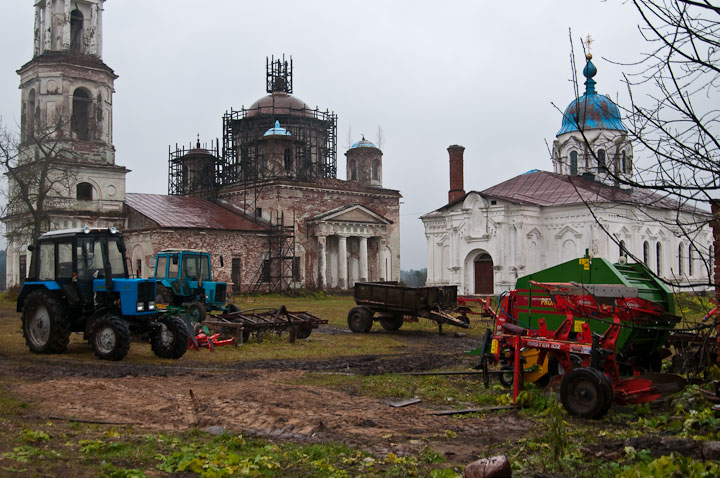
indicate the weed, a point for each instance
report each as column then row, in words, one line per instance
column 34, row 436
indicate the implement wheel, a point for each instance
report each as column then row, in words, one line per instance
column 392, row 323
column 170, row 338
column 584, row 393
column 360, row 319
column 196, row 311
column 46, row 327
column 110, row 338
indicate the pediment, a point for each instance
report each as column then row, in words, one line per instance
column 534, row 232
column 567, row 230
column 353, row 213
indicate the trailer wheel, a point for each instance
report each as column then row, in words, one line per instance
column 196, row 311
column 45, row 326
column 392, row 323
column 303, row 332
column 110, row 338
column 584, row 393
column 360, row 319
column 170, row 338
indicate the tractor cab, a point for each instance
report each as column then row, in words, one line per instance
column 185, row 279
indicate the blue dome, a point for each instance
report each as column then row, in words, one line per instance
column 363, row 143
column 277, row 131
column 591, row 110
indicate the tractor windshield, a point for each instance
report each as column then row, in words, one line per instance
column 194, row 265
column 90, row 263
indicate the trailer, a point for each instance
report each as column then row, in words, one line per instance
column 392, row 305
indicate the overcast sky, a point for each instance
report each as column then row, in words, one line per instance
column 431, row 73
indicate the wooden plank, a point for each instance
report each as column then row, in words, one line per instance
column 405, row 403
column 471, row 410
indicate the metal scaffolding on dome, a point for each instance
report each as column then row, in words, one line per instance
column 194, row 170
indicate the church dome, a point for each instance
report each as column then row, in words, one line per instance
column 363, row 143
column 279, row 103
column 277, row 130
column 591, row 110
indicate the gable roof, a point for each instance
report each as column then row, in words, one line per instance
column 189, row 212
column 352, row 213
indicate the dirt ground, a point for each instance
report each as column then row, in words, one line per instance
column 255, row 399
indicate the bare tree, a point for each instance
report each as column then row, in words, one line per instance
column 39, row 179
column 673, row 118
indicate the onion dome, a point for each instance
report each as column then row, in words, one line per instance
column 591, row 110
column 363, row 143
column 277, row 130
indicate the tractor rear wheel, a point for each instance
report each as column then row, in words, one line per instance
column 170, row 338
column 196, row 311
column 392, row 323
column 583, row 393
column 360, row 319
column 110, row 338
column 46, row 327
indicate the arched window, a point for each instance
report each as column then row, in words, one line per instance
column 353, row 170
column 658, row 258
column 287, row 158
column 76, row 31
column 681, row 257
column 623, row 162
column 84, row 192
column 31, row 113
column 376, row 169
column 646, row 253
column 80, row 120
column 573, row 163
column 601, row 160
column 691, row 259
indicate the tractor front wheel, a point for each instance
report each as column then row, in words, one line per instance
column 170, row 338
column 110, row 338
column 196, row 311
column 360, row 319
column 46, row 327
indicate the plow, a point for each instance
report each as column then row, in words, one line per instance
column 597, row 343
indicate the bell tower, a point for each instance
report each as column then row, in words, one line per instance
column 66, row 123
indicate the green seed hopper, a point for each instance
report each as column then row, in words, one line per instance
column 640, row 339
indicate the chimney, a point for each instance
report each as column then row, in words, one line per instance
column 456, row 172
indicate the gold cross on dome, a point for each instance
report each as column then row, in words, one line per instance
column 588, row 42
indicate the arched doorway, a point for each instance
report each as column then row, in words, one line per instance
column 484, row 274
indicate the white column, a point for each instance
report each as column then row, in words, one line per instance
column 48, row 25
column 322, row 261
column 100, row 33
column 66, row 27
column 363, row 260
column 342, row 262
column 94, row 31
column 381, row 260
column 430, row 259
column 37, row 45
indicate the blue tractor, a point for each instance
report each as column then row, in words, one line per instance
column 79, row 282
column 185, row 280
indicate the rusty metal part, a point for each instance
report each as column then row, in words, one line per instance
column 242, row 324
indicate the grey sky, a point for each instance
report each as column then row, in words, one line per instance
column 481, row 74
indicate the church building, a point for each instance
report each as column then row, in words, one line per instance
column 482, row 241
column 267, row 203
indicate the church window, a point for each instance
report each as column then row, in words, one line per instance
column 681, row 254
column 623, row 162
column 287, row 157
column 31, row 114
column 646, row 253
column 658, row 258
column 691, row 259
column 375, row 169
column 353, row 170
column 573, row 162
column 80, row 120
column 76, row 30
column 84, row 192
column 296, row 269
column 601, row 160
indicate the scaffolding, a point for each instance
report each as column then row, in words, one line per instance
column 194, row 171
column 279, row 269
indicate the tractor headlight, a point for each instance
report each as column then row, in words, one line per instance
column 140, row 307
column 151, row 305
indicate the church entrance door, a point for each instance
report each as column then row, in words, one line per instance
column 484, row 283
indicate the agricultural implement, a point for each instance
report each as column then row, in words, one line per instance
column 241, row 324
column 392, row 305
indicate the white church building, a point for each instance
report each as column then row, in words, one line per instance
column 483, row 241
